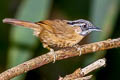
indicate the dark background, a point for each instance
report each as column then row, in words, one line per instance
column 17, row 44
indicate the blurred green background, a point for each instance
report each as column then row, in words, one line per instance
column 17, row 44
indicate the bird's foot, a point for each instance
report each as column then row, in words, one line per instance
column 78, row 49
column 54, row 55
column 51, row 51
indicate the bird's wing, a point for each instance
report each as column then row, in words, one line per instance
column 58, row 27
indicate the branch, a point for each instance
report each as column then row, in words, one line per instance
column 60, row 54
column 79, row 74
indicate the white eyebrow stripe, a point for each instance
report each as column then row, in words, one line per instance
column 79, row 24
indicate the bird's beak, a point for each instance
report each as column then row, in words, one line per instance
column 94, row 28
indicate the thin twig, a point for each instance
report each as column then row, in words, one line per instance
column 79, row 74
column 60, row 54
column 79, row 78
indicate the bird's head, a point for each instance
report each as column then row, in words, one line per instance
column 85, row 27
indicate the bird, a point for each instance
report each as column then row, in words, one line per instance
column 57, row 33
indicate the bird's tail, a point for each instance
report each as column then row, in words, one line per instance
column 21, row 23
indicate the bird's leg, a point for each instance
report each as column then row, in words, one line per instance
column 51, row 51
column 78, row 49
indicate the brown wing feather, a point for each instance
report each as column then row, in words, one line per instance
column 58, row 27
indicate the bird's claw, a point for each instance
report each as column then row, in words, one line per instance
column 54, row 55
column 51, row 51
column 78, row 49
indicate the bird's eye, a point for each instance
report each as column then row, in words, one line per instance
column 85, row 26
